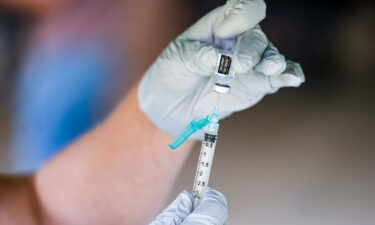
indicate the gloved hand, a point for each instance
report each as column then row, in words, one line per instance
column 211, row 211
column 178, row 86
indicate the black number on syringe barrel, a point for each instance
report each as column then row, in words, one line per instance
column 209, row 140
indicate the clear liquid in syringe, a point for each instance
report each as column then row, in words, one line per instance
column 204, row 167
column 206, row 156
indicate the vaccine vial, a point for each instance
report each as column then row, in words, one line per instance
column 223, row 73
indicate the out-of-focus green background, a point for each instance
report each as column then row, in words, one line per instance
column 302, row 156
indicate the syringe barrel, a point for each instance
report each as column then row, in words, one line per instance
column 204, row 167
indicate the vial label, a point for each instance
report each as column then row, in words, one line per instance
column 224, row 64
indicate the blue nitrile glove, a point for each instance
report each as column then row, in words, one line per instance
column 178, row 86
column 211, row 211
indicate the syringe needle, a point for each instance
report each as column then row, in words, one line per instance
column 218, row 99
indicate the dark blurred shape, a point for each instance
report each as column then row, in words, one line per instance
column 13, row 30
column 353, row 51
column 27, row 6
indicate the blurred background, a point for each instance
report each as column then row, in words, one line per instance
column 303, row 156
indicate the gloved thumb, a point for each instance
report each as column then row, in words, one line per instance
column 240, row 16
column 211, row 211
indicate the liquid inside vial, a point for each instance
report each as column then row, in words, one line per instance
column 223, row 74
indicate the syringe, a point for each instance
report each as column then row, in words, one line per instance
column 206, row 156
column 211, row 126
column 223, row 76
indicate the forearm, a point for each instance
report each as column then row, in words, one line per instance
column 120, row 173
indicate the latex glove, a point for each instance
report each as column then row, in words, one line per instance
column 211, row 211
column 178, row 86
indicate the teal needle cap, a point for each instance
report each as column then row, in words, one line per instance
column 196, row 124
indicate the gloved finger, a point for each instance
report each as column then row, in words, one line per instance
column 272, row 62
column 251, row 87
column 249, row 50
column 203, row 29
column 196, row 56
column 177, row 211
column 240, row 16
column 211, row 211
column 291, row 77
